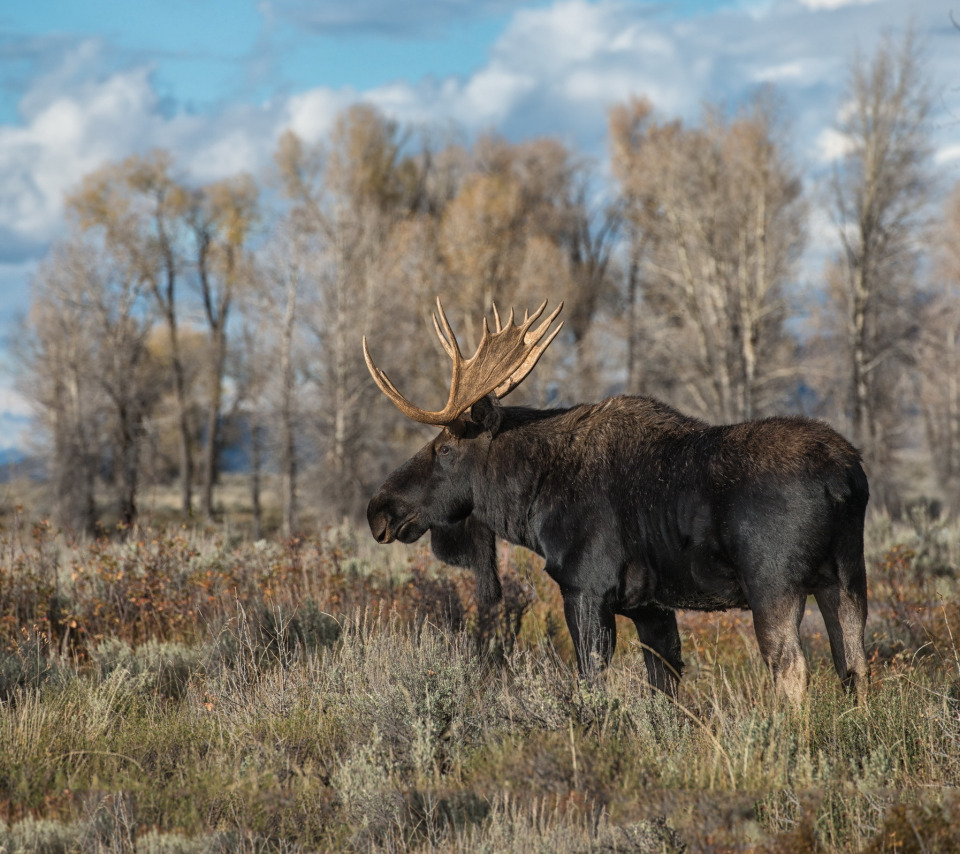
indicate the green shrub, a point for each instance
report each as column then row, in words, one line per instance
column 39, row 836
column 27, row 666
column 163, row 669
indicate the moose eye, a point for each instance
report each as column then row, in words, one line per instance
column 443, row 450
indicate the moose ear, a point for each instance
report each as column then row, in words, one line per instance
column 486, row 413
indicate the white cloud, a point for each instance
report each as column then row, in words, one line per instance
column 14, row 404
column 556, row 70
column 948, row 154
column 832, row 145
column 783, row 71
column 78, row 117
column 311, row 114
column 233, row 152
column 64, row 138
column 569, row 32
column 490, row 96
column 16, row 416
column 16, row 433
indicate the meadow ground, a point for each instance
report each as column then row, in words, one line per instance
column 186, row 690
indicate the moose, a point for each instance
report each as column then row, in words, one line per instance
column 637, row 510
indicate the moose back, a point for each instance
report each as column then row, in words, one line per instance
column 637, row 510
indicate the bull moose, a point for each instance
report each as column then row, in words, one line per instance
column 637, row 510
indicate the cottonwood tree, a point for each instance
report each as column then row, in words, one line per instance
column 91, row 372
column 54, row 376
column 348, row 196
column 272, row 365
column 518, row 230
column 628, row 125
column 512, row 198
column 938, row 356
column 163, row 440
column 716, row 217
column 253, row 370
column 138, row 207
column 878, row 193
column 221, row 216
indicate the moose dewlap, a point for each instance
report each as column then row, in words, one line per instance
column 637, row 510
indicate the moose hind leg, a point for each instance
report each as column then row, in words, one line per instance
column 777, row 626
column 844, row 613
column 593, row 630
column 660, row 638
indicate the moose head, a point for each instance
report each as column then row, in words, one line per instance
column 433, row 487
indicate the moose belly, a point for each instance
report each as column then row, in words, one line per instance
column 693, row 583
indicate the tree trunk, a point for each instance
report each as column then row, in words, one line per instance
column 256, row 466
column 860, row 398
column 166, row 298
column 186, row 457
column 338, row 449
column 288, row 451
column 211, row 446
column 75, row 464
column 128, row 462
column 633, row 312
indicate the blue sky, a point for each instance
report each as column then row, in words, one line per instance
column 217, row 81
column 209, row 52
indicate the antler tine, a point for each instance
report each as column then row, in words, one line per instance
column 447, row 338
column 529, row 318
column 531, row 339
column 443, row 341
column 538, row 333
column 499, row 327
column 502, row 360
column 385, row 385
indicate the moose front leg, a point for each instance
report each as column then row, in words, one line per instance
column 593, row 629
column 660, row 639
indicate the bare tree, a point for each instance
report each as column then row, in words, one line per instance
column 879, row 191
column 221, row 216
column 273, row 326
column 519, row 227
column 252, row 371
column 91, row 373
column 628, row 125
column 138, row 207
column 54, row 375
column 348, row 196
column 938, row 357
column 716, row 225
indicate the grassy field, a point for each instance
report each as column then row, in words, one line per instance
column 181, row 690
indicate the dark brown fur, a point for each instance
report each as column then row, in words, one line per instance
column 638, row 510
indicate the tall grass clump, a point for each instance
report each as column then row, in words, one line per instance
column 185, row 691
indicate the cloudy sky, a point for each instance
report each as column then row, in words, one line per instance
column 217, row 81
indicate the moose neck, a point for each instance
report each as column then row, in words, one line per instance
column 521, row 455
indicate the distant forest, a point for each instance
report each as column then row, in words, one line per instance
column 175, row 321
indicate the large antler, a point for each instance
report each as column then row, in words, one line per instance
column 503, row 358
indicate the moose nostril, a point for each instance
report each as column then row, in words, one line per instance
column 378, row 525
column 378, row 519
column 379, row 530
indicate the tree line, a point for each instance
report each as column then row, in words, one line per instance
column 175, row 319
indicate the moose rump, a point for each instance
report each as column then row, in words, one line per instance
column 638, row 510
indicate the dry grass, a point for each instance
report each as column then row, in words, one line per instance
column 185, row 690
